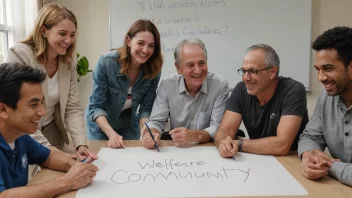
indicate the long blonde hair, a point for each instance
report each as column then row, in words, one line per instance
column 153, row 65
column 49, row 16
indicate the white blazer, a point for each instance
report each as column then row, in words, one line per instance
column 68, row 112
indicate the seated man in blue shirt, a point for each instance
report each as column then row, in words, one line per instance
column 194, row 100
column 331, row 123
column 273, row 108
column 21, row 107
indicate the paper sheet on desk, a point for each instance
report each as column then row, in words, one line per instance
column 187, row 172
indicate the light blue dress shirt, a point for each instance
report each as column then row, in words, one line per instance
column 202, row 112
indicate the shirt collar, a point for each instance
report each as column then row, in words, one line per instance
column 341, row 103
column 3, row 144
column 182, row 85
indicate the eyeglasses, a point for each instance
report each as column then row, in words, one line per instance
column 251, row 72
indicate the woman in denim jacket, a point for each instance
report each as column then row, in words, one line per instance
column 124, row 82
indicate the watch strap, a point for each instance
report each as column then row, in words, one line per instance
column 239, row 143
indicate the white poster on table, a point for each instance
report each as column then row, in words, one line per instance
column 187, row 172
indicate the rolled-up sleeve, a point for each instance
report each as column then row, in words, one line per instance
column 161, row 109
column 99, row 92
column 218, row 110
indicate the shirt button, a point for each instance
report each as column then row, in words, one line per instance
column 346, row 122
column 346, row 134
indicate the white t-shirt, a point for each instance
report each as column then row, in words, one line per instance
column 12, row 145
column 128, row 103
column 51, row 100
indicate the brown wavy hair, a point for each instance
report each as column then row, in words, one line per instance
column 153, row 65
column 49, row 16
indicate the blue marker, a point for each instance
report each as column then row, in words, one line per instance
column 86, row 160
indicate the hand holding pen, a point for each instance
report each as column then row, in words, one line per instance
column 151, row 137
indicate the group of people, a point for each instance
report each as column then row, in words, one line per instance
column 39, row 104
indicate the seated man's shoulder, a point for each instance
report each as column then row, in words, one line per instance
column 27, row 140
column 326, row 101
column 173, row 79
column 25, row 137
column 290, row 84
column 217, row 78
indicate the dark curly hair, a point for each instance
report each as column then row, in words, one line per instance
column 339, row 38
column 12, row 76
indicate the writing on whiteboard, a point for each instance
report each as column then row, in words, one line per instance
column 160, row 4
column 169, row 169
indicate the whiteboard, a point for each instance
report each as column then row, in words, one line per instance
column 187, row 172
column 227, row 27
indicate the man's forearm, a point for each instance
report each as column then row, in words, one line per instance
column 266, row 146
column 200, row 136
column 58, row 160
column 220, row 135
column 45, row 190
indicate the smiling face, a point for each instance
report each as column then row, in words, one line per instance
column 141, row 46
column 30, row 108
column 60, row 37
column 335, row 77
column 193, row 66
column 257, row 84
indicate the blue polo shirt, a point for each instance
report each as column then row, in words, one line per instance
column 14, row 163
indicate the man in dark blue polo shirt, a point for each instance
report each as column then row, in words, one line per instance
column 21, row 107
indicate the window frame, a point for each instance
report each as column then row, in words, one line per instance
column 4, row 28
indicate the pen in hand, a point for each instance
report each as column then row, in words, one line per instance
column 87, row 160
column 151, row 134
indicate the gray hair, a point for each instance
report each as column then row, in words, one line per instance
column 179, row 46
column 270, row 55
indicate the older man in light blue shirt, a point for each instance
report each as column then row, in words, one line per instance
column 194, row 99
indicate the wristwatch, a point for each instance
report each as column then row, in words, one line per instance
column 239, row 143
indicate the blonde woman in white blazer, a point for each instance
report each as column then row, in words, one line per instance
column 50, row 47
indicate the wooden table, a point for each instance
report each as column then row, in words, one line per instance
column 326, row 187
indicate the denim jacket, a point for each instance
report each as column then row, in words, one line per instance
column 110, row 90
